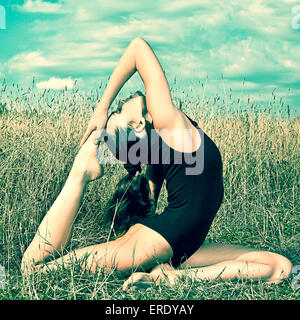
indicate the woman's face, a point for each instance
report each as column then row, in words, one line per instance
column 130, row 118
column 128, row 115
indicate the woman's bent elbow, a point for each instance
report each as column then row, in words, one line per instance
column 138, row 41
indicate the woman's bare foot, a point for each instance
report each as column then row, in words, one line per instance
column 86, row 162
column 165, row 274
column 162, row 274
column 138, row 280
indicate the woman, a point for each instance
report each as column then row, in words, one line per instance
column 162, row 245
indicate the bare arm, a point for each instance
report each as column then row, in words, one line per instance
column 138, row 56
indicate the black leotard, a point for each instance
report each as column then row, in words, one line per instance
column 193, row 199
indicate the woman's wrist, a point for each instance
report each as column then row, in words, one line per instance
column 102, row 106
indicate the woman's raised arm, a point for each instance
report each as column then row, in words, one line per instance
column 138, row 56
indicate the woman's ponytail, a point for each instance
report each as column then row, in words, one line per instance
column 131, row 201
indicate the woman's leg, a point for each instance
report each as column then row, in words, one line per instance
column 213, row 261
column 54, row 230
column 139, row 247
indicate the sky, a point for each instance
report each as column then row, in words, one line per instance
column 248, row 46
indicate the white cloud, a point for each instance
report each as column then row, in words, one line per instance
column 287, row 63
column 258, row 8
column 180, row 4
column 56, row 83
column 27, row 61
column 40, row 6
column 82, row 14
column 192, row 38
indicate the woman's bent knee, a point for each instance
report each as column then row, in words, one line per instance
column 280, row 266
column 283, row 267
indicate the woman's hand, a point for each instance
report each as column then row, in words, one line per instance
column 97, row 122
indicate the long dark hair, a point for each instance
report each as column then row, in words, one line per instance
column 131, row 201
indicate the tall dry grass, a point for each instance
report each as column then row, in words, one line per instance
column 260, row 208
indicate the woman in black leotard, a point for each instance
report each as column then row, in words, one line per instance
column 150, row 130
column 194, row 185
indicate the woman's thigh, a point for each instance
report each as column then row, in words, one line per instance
column 141, row 248
column 213, row 253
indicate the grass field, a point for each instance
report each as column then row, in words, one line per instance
column 37, row 146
